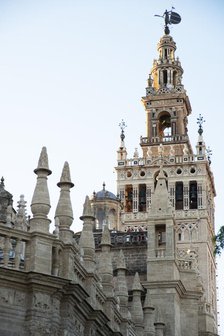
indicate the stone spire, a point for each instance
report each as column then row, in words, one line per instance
column 136, row 307
column 121, row 284
column 64, row 211
column 122, row 153
column 86, row 242
column 159, row 325
column 105, row 263
column 40, row 205
column 149, row 329
column 21, row 217
column 200, row 147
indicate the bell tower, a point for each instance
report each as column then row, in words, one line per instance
column 169, row 169
column 166, row 102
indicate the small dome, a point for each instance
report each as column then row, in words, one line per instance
column 104, row 194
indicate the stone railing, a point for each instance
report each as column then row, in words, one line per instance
column 13, row 247
column 187, row 264
column 160, row 252
column 163, row 139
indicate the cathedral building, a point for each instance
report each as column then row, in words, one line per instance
column 143, row 264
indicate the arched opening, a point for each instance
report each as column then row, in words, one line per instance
column 179, row 196
column 112, row 218
column 193, row 195
column 165, row 124
column 174, row 78
column 165, row 77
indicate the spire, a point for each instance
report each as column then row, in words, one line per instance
column 86, row 242
column 106, row 240
column 64, row 211
column 40, row 205
column 136, row 307
column 105, row 263
column 21, row 217
column 122, row 153
column 121, row 261
column 148, row 309
column 200, row 147
column 159, row 325
column 136, row 283
column 121, row 284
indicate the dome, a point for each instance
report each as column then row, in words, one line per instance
column 102, row 194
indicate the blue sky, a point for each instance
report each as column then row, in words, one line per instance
column 71, row 70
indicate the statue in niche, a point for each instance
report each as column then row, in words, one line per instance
column 172, row 151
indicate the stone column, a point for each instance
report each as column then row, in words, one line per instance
column 149, row 318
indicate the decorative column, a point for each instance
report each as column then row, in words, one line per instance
column 39, row 255
column 149, row 329
column 105, row 263
column 121, row 285
column 136, row 307
column 106, row 274
column 40, row 205
column 86, row 242
column 64, row 212
column 159, row 325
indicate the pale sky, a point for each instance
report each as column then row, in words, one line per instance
column 71, row 70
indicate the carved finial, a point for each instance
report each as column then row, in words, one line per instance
column 209, row 154
column 136, row 283
column 104, row 185
column 56, row 224
column 122, row 126
column 200, row 121
column 106, row 240
column 121, row 260
column 65, row 176
column 43, row 160
column 22, row 205
column 148, row 302
column 2, row 182
column 64, row 210
column 40, row 204
column 87, row 209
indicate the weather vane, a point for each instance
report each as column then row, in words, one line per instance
column 170, row 17
column 200, row 121
column 122, row 126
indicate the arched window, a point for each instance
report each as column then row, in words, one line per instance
column 142, row 197
column 174, row 78
column 179, row 197
column 165, row 77
column 193, row 195
column 165, row 124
